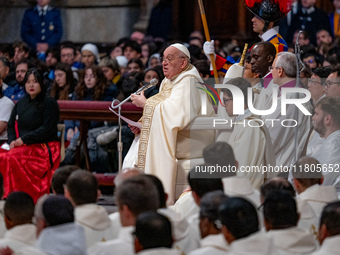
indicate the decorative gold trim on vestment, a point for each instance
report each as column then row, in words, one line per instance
column 148, row 111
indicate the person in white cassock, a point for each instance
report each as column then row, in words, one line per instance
column 240, row 227
column 186, row 206
column 280, row 219
column 18, row 214
column 329, row 230
column 326, row 122
column 184, row 235
column 126, row 173
column 312, row 196
column 283, row 135
column 166, row 118
column 202, row 182
column 56, row 230
column 262, row 56
column 316, row 87
column 92, row 217
column 213, row 241
column 153, row 235
column 250, row 139
column 222, row 154
column 134, row 196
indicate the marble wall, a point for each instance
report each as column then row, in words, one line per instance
column 84, row 20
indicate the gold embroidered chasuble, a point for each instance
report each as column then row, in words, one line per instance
column 164, row 138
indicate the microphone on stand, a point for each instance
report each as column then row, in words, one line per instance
column 152, row 83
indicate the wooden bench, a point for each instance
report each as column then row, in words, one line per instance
column 87, row 111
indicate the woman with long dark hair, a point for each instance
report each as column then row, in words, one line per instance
column 34, row 152
column 63, row 85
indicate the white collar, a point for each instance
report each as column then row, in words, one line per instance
column 309, row 10
column 42, row 8
column 246, row 114
column 334, row 134
column 269, row 33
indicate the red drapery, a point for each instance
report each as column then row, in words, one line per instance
column 28, row 168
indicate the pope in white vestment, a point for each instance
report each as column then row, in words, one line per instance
column 165, row 140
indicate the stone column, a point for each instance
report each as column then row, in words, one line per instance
column 145, row 12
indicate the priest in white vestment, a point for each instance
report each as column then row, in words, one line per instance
column 92, row 217
column 329, row 231
column 240, row 227
column 164, row 140
column 134, row 196
column 250, row 139
column 213, row 241
column 280, row 219
column 312, row 196
column 21, row 232
column 316, row 87
column 326, row 122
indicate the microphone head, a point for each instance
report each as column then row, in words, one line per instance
column 154, row 81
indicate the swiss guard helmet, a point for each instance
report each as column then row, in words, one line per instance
column 269, row 10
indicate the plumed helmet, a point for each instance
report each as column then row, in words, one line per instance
column 269, row 10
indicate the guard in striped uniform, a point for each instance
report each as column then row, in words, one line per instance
column 265, row 23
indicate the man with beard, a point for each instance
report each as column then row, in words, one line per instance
column 18, row 90
column 326, row 122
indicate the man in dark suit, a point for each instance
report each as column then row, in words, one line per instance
column 41, row 26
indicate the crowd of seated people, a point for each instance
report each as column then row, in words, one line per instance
column 235, row 213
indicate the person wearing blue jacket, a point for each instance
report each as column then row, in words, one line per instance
column 41, row 26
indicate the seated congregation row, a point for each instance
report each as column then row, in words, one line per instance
column 79, row 74
column 218, row 216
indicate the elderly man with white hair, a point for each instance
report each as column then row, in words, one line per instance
column 282, row 127
column 166, row 145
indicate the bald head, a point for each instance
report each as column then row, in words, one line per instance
column 125, row 174
column 276, row 184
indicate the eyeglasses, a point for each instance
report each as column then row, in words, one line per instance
column 310, row 61
column 69, row 55
column 225, row 101
column 314, row 82
column 168, row 60
column 330, row 83
column 272, row 67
